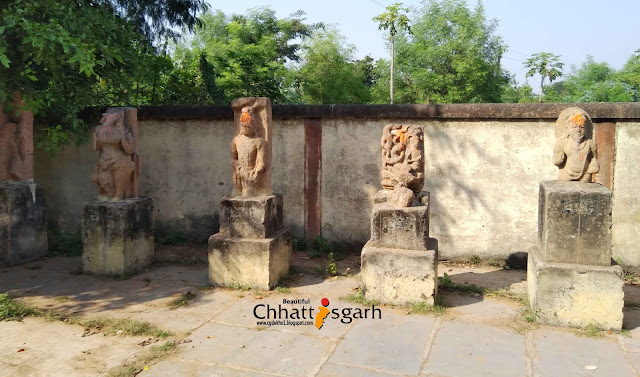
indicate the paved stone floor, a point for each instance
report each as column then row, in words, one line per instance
column 218, row 335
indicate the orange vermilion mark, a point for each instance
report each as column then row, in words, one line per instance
column 245, row 118
column 577, row 120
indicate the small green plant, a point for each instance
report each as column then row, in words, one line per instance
column 67, row 244
column 446, row 283
column 332, row 267
column 320, row 247
column 134, row 367
column 283, row 290
column 506, row 294
column 62, row 298
column 475, row 260
column 174, row 239
column 358, row 298
column 590, row 331
column 11, row 310
column 424, row 308
column 529, row 315
column 182, row 300
column 299, row 244
column 113, row 326
column 240, row 287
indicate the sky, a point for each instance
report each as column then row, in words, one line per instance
column 607, row 30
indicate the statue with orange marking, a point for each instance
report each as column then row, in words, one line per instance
column 575, row 152
column 250, row 148
column 402, row 162
column 116, row 173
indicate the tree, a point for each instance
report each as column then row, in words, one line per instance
column 630, row 74
column 329, row 73
column 64, row 55
column 546, row 65
column 392, row 20
column 247, row 54
column 451, row 56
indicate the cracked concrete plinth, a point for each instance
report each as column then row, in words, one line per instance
column 23, row 222
column 400, row 227
column 575, row 295
column 254, row 262
column 253, row 217
column 117, row 237
column 399, row 276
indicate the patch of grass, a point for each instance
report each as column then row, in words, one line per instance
column 591, row 331
column 34, row 267
column 67, row 244
column 475, row 260
column 506, row 294
column 299, row 244
column 358, row 298
column 182, row 300
column 11, row 310
column 111, row 326
column 174, row 239
column 624, row 332
column 529, row 315
column 424, row 308
column 207, row 287
column 62, row 298
column 320, row 247
column 137, row 365
column 240, row 287
column 446, row 283
column 283, row 290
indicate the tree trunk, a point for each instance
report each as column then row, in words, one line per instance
column 392, row 64
column 541, row 81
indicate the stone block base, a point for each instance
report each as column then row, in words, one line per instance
column 398, row 276
column 255, row 262
column 253, row 217
column 575, row 295
column 400, row 227
column 23, row 223
column 117, row 237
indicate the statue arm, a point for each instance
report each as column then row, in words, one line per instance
column 260, row 156
column 234, row 154
column 127, row 143
column 594, row 166
column 558, row 154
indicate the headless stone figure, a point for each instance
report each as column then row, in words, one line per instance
column 248, row 155
column 574, row 154
column 115, row 168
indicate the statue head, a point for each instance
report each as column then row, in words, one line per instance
column 113, row 118
column 573, row 123
column 247, row 122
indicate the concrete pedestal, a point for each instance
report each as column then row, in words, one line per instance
column 570, row 277
column 399, row 264
column 575, row 295
column 23, row 223
column 252, row 248
column 399, row 276
column 117, row 237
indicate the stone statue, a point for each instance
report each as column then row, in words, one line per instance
column 251, row 148
column 402, row 164
column 16, row 143
column 116, row 173
column 575, row 151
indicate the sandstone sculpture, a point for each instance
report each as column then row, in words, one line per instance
column 402, row 164
column 575, row 152
column 251, row 147
column 116, row 173
column 16, row 143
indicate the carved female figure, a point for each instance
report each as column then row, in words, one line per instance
column 114, row 170
column 573, row 153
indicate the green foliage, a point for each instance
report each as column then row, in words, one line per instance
column 445, row 282
column 67, row 244
column 424, row 308
column 284, row 290
column 320, row 247
column 545, row 64
column 332, row 267
column 330, row 73
column 358, row 298
column 14, row 311
column 299, row 244
column 451, row 56
column 182, row 300
column 175, row 239
column 475, row 260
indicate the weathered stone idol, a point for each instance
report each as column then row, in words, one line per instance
column 570, row 277
column 253, row 247
column 575, row 151
column 402, row 164
column 23, row 221
column 400, row 261
column 251, row 147
column 117, row 228
column 116, row 173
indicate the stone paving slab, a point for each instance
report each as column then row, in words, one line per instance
column 474, row 350
column 395, row 343
column 335, row 370
column 174, row 367
column 564, row 354
column 287, row 353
